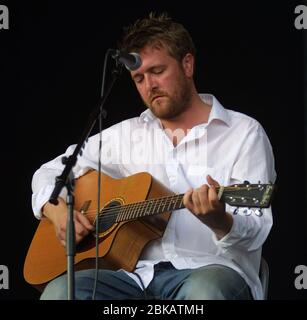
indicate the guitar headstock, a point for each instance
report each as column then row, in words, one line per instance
column 248, row 195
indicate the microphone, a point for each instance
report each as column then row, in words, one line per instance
column 131, row 61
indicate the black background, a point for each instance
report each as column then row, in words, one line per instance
column 250, row 56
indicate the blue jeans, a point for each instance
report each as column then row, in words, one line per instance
column 213, row 282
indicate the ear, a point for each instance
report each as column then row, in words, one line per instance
column 188, row 65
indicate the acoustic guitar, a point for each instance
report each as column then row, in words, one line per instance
column 135, row 210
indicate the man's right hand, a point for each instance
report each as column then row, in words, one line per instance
column 57, row 214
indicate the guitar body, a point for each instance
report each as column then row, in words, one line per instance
column 120, row 246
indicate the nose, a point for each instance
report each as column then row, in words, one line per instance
column 150, row 84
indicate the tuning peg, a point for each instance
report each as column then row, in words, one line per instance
column 247, row 212
column 243, row 211
column 258, row 212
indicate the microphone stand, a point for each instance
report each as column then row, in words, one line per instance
column 67, row 179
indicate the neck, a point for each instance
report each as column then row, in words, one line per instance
column 196, row 113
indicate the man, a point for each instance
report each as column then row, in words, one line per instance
column 206, row 252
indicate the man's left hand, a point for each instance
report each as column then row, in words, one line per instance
column 206, row 206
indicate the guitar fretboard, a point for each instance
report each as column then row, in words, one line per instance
column 237, row 195
column 149, row 207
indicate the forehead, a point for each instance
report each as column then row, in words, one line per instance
column 153, row 55
column 153, row 48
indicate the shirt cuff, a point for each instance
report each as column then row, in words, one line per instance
column 41, row 197
column 237, row 232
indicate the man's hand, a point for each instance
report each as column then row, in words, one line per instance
column 58, row 216
column 205, row 204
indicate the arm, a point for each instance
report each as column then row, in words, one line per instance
column 254, row 163
column 44, row 179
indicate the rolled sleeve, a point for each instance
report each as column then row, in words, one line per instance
column 255, row 163
column 248, row 231
column 40, row 198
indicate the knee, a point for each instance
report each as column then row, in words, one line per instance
column 195, row 288
column 56, row 289
column 213, row 283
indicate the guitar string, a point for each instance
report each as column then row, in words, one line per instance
column 170, row 197
column 142, row 205
column 113, row 211
column 167, row 198
column 107, row 214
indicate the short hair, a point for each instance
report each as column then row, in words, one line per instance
column 158, row 30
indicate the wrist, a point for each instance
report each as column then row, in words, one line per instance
column 50, row 210
column 220, row 224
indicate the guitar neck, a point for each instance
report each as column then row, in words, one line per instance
column 150, row 207
column 255, row 195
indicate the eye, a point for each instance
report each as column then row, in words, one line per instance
column 138, row 78
column 157, row 70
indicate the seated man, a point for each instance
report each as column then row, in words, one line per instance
column 192, row 144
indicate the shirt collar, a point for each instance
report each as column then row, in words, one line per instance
column 147, row 116
column 218, row 112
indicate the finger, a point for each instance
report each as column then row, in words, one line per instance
column 195, row 198
column 212, row 182
column 79, row 238
column 203, row 197
column 187, row 200
column 83, row 220
column 60, row 233
column 213, row 196
column 80, row 230
column 200, row 200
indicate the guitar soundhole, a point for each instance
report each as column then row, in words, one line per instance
column 108, row 216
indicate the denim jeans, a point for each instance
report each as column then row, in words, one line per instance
column 212, row 282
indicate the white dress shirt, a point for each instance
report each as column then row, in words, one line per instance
column 231, row 147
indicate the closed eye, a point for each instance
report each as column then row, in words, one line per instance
column 157, row 70
column 138, row 78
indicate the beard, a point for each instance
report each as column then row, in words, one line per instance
column 168, row 107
